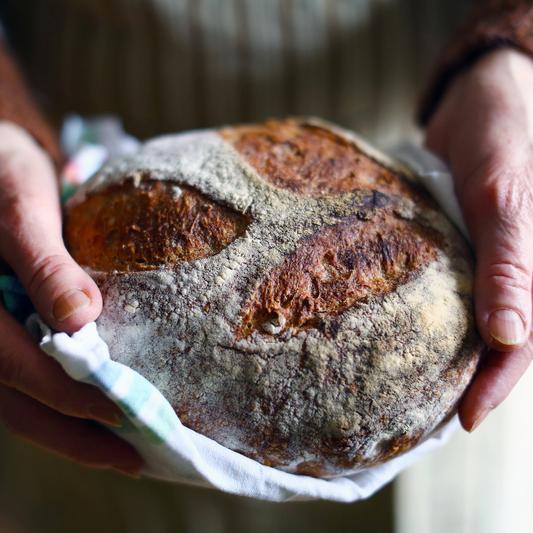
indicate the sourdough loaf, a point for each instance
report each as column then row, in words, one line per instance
column 294, row 294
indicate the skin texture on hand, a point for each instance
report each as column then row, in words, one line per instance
column 38, row 401
column 483, row 129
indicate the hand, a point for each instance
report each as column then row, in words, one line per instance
column 38, row 401
column 483, row 128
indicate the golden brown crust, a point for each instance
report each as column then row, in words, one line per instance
column 358, row 258
column 154, row 224
column 311, row 160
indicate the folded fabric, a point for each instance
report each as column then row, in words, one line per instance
column 174, row 452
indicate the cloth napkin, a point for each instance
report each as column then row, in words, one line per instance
column 171, row 451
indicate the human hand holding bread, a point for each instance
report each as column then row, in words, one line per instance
column 38, row 401
column 483, row 129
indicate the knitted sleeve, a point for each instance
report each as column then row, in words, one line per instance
column 492, row 24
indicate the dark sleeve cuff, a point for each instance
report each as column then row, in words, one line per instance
column 492, row 24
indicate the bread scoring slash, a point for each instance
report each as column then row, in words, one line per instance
column 295, row 294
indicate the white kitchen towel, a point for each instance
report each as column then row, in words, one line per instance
column 175, row 453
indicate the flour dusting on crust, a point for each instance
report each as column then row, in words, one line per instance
column 354, row 390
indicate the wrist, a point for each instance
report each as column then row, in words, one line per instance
column 21, row 155
column 499, row 80
column 14, row 139
column 504, row 65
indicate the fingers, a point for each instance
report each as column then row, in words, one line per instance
column 30, row 235
column 67, row 298
column 23, row 366
column 78, row 440
column 498, row 208
column 494, row 381
column 503, row 294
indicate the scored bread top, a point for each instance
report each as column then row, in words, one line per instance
column 309, row 159
column 295, row 294
column 141, row 226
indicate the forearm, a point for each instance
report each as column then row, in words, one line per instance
column 18, row 106
column 492, row 24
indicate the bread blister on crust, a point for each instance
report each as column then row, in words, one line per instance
column 357, row 288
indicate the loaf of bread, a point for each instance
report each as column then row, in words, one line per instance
column 295, row 295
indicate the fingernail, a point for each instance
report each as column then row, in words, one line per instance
column 69, row 303
column 478, row 419
column 506, row 327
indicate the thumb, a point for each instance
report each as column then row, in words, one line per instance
column 500, row 222
column 30, row 235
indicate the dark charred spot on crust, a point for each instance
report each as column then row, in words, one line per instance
column 311, row 160
column 337, row 267
column 148, row 225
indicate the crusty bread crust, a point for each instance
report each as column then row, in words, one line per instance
column 333, row 329
column 144, row 224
